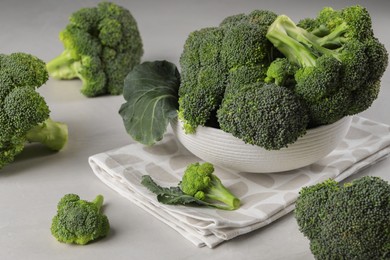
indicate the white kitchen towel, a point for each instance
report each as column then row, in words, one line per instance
column 265, row 197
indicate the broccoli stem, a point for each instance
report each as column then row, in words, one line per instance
column 98, row 201
column 53, row 135
column 218, row 192
column 300, row 46
column 64, row 66
column 283, row 34
column 334, row 39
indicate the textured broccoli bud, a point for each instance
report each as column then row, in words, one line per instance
column 78, row 221
column 235, row 53
column 346, row 222
column 262, row 114
column 101, row 46
column 281, row 72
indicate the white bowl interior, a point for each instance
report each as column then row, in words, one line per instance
column 223, row 149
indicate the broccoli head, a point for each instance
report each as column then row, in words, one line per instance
column 78, row 221
column 346, row 222
column 200, row 182
column 236, row 52
column 24, row 114
column 338, row 59
column 101, row 46
column 263, row 114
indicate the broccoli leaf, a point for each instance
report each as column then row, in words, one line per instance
column 151, row 92
column 171, row 195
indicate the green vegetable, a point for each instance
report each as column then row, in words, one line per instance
column 169, row 195
column 236, row 53
column 346, row 222
column 24, row 114
column 266, row 105
column 281, row 72
column 151, row 100
column 340, row 62
column 266, row 80
column 199, row 185
column 101, row 46
column 79, row 221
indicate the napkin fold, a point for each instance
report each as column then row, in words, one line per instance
column 265, row 197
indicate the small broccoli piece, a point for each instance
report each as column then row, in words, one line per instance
column 199, row 186
column 234, row 53
column 263, row 114
column 346, row 222
column 338, row 59
column 200, row 182
column 281, row 72
column 101, row 46
column 24, row 114
column 78, row 221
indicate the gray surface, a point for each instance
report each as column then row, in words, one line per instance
column 31, row 187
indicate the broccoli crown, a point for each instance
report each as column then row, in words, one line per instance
column 347, row 222
column 22, row 108
column 234, row 53
column 199, row 181
column 78, row 221
column 101, row 46
column 263, row 114
column 338, row 58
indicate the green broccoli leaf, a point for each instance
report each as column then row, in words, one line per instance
column 169, row 195
column 151, row 92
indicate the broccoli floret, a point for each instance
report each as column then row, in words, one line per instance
column 234, row 53
column 199, row 186
column 337, row 27
column 263, row 114
column 79, row 221
column 346, row 222
column 24, row 114
column 101, row 46
column 338, row 59
column 281, row 72
column 202, row 77
column 377, row 59
column 199, row 181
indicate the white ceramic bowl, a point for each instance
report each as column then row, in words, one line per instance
column 223, row 149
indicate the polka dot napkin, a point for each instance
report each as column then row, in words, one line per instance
column 264, row 197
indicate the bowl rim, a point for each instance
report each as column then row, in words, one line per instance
column 243, row 157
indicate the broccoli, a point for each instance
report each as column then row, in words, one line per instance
column 347, row 222
column 281, row 72
column 101, row 46
column 199, row 186
column 234, row 53
column 200, row 182
column 24, row 114
column 78, row 221
column 339, row 61
column 277, row 116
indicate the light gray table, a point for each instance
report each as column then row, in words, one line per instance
column 31, row 187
